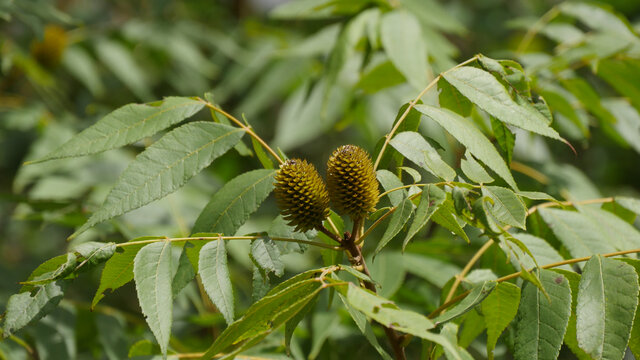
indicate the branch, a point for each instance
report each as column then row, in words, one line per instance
column 246, row 128
column 412, row 104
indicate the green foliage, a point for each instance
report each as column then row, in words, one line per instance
column 440, row 248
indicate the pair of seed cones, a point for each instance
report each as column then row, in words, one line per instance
column 351, row 188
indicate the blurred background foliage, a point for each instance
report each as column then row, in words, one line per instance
column 308, row 76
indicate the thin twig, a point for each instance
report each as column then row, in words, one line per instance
column 214, row 238
column 535, row 28
column 246, row 128
column 412, row 104
column 517, row 274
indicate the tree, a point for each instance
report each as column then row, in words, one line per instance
column 466, row 218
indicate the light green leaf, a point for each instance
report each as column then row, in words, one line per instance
column 444, row 216
column 265, row 253
column 543, row 252
column 577, row 232
column 231, row 206
column 570, row 338
column 541, row 324
column 29, row 306
column 415, row 148
column 474, row 171
column 499, row 308
column 402, row 40
column 469, row 136
column 507, row 207
column 435, row 271
column 79, row 64
column 450, row 332
column 389, row 276
column 120, row 61
column 634, row 339
column 629, row 203
column 215, row 277
column 117, row 271
column 449, row 97
column 266, row 315
column 536, row 195
column 431, row 199
column 153, row 277
column 607, row 302
column 389, row 181
column 365, row 327
column 127, row 125
column 628, row 120
column 400, row 216
column 598, row 18
column 388, row 314
column 615, row 230
column 96, row 252
column 484, row 90
column 477, row 295
column 165, row 166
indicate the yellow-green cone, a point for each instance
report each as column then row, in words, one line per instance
column 301, row 195
column 352, row 183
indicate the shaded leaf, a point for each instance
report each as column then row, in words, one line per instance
column 499, row 308
column 435, row 271
column 400, row 216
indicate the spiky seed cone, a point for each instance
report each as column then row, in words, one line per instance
column 352, row 183
column 301, row 195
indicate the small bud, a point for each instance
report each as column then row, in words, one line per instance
column 301, row 195
column 352, row 183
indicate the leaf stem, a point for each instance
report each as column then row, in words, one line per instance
column 447, row 304
column 535, row 29
column 246, row 128
column 488, row 244
column 412, row 104
column 213, row 238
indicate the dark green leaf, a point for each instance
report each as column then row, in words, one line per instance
column 477, row 295
column 400, row 216
column 607, row 301
column 541, row 323
column 485, row 91
column 215, row 277
column 165, row 166
column 153, row 277
column 27, row 307
column 232, row 205
column 469, row 136
column 499, row 308
column 127, row 125
column 431, row 199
